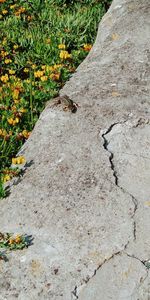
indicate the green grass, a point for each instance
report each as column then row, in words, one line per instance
column 33, row 67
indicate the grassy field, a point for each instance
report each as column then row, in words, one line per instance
column 41, row 44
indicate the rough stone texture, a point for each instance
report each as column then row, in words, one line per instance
column 130, row 145
column 119, row 278
column 85, row 195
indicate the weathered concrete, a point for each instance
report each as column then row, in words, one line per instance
column 119, row 278
column 85, row 197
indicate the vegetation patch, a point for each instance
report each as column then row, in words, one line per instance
column 9, row 241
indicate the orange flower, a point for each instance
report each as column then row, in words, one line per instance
column 55, row 76
column 16, row 93
column 21, row 10
column 11, row 241
column 87, row 47
column 29, row 18
column 18, row 239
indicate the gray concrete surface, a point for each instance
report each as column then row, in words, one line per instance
column 85, row 196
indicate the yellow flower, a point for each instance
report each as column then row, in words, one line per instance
column 22, row 110
column 4, row 11
column 64, row 54
column 3, row 132
column 55, row 67
column 4, row 53
column 38, row 74
column 26, row 70
column 14, row 108
column 10, row 121
column 50, row 68
column 11, row 72
column 44, row 78
column 7, row 61
column 14, row 161
column 6, row 178
column 25, row 133
column 21, row 10
column 16, row 101
column 27, row 80
column 18, row 160
column 17, row 90
column 33, row 66
column 4, row 78
column 87, row 47
column 61, row 46
column 4, row 42
column 12, row 6
column 16, row 120
column 15, row 46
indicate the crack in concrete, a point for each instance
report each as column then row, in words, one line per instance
column 116, row 180
column 111, row 156
column 75, row 290
column 135, row 202
column 74, row 293
column 135, row 257
column 146, row 263
column 143, row 263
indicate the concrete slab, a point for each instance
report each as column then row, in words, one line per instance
column 118, row 278
column 84, row 201
column 129, row 145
